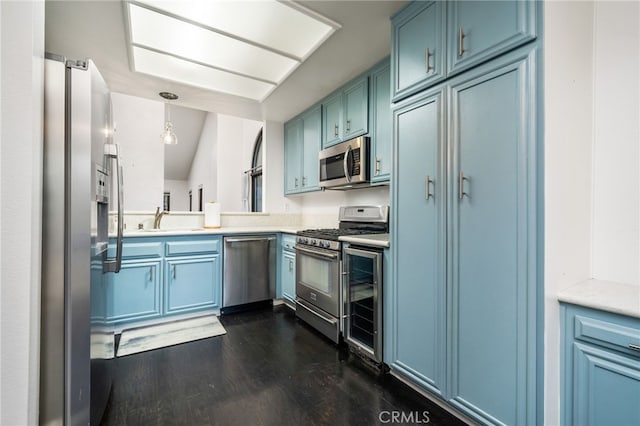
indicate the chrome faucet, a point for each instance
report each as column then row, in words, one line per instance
column 158, row 218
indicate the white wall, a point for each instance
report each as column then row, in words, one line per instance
column 591, row 157
column 179, row 190
column 204, row 166
column 274, row 200
column 327, row 202
column 568, row 61
column 139, row 123
column 616, row 169
column 236, row 138
column 21, row 108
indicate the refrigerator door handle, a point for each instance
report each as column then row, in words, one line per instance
column 113, row 265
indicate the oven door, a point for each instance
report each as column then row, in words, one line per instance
column 318, row 278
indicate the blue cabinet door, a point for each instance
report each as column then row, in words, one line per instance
column 606, row 387
column 293, row 156
column 192, row 284
column 134, row 293
column 600, row 367
column 380, row 103
column 312, row 140
column 481, row 30
column 288, row 275
column 492, row 250
column 332, row 120
column 417, row 291
column 356, row 109
column 417, row 48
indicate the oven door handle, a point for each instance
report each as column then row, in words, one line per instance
column 331, row 256
column 322, row 317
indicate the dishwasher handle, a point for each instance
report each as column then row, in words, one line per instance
column 248, row 239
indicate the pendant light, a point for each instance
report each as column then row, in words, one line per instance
column 168, row 136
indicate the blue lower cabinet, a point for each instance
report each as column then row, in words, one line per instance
column 288, row 275
column 192, row 284
column 600, row 368
column 134, row 294
column 418, row 289
column 464, row 247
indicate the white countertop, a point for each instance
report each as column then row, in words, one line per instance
column 212, row 231
column 604, row 295
column 372, row 240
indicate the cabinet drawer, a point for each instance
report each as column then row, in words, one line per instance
column 288, row 242
column 605, row 333
column 137, row 249
column 179, row 248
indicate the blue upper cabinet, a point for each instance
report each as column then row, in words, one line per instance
column 417, row 48
column 311, row 136
column 380, row 113
column 302, row 139
column 356, row 109
column 293, row 156
column 345, row 114
column 431, row 41
column 332, row 120
column 481, row 30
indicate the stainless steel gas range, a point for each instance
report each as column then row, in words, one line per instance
column 319, row 289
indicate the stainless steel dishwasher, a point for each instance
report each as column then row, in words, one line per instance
column 249, row 273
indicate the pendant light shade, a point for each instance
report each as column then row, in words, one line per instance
column 168, row 136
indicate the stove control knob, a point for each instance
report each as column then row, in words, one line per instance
column 313, row 242
column 306, row 241
column 326, row 245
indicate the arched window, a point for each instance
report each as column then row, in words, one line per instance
column 256, row 175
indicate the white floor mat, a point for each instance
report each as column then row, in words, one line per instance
column 169, row 334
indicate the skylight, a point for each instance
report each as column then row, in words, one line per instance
column 245, row 48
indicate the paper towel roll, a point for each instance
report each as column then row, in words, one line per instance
column 212, row 215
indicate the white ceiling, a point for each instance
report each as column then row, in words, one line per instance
column 96, row 30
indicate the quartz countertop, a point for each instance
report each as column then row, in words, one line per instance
column 210, row 231
column 372, row 240
column 607, row 296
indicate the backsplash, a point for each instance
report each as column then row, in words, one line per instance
column 192, row 220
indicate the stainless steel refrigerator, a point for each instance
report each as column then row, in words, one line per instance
column 82, row 181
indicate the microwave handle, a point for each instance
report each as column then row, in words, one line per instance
column 345, row 164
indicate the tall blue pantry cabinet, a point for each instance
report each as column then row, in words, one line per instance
column 464, row 191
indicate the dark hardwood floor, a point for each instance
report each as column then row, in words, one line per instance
column 269, row 369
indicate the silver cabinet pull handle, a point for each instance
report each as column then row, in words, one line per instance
column 304, row 180
column 348, row 125
column 634, row 346
column 151, row 273
column 377, row 167
column 290, row 265
column 335, row 130
column 295, row 182
column 461, row 179
column 460, row 42
column 428, row 60
column 427, row 184
column 174, row 272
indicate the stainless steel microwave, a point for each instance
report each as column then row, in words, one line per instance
column 345, row 165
